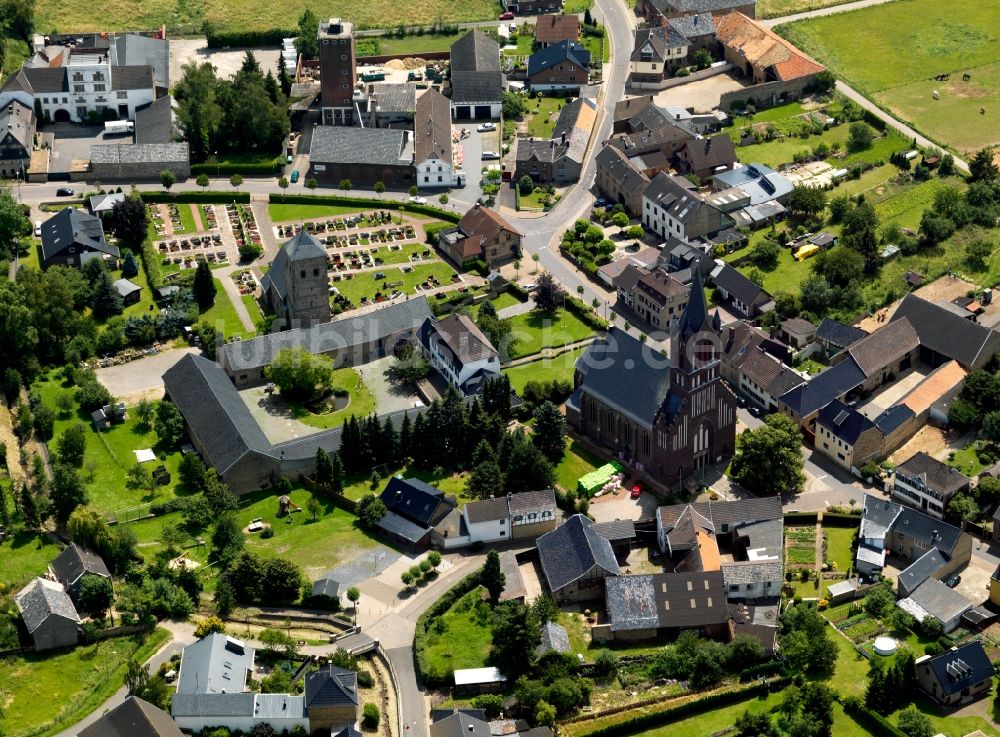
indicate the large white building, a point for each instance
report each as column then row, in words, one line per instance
column 460, row 352
column 432, row 142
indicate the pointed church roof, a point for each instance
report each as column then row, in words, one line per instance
column 696, row 312
column 303, row 246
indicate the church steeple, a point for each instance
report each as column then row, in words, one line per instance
column 695, row 342
column 695, row 314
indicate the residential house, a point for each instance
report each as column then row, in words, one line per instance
column 697, row 124
column 413, row 509
column 645, row 259
column 17, row 139
column 532, row 513
column 652, row 148
column 650, row 606
column 741, row 295
column 957, row 676
column 835, row 336
column 552, row 29
column 761, row 377
column 48, row 614
column 619, row 180
column 482, row 233
column 71, row 237
column 804, row 402
column 562, row 66
column 904, row 532
column 215, row 664
column 697, row 28
column 668, row 419
column 73, row 564
column 331, row 699
column 362, row 155
column 626, row 110
column 460, row 352
column 657, row 11
column 625, row 283
column 657, row 52
column 671, row 208
column 559, row 159
column 432, row 141
column 766, row 193
column 753, row 580
column 296, row 286
column 659, row 299
column 514, row 516
column 927, row 483
column 707, row 157
column 133, row 717
column 763, row 56
column 477, row 83
column 797, row 332
column 460, row 724
column 348, row 341
column 934, row 599
column 848, row 437
column 945, row 335
column 487, row 520
column 576, row 561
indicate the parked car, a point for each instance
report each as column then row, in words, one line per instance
column 507, row 16
column 295, row 176
column 953, row 580
column 600, row 202
column 418, row 200
column 490, row 156
column 38, row 228
column 636, row 490
column 483, row 127
column 288, row 159
column 64, row 192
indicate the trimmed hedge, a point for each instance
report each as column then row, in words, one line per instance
column 151, row 265
column 204, row 198
column 447, row 600
column 477, row 265
column 364, row 203
column 643, row 722
column 249, row 169
column 585, row 313
column 267, row 37
column 801, row 518
column 840, row 520
column 876, row 724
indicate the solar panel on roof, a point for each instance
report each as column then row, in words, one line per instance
column 843, row 415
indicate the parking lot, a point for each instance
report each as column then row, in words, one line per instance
column 71, row 142
column 472, row 149
column 701, row 96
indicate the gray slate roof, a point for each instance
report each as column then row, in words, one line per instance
column 569, row 52
column 571, row 550
column 460, row 724
column 739, row 286
column 838, row 334
column 694, row 25
column 334, row 144
column 681, row 600
column 42, row 599
column 844, row 422
column 134, row 717
column 73, row 227
column 825, row 386
column 920, row 570
column 554, row 637
column 488, row 510
column 941, row 602
column 344, row 333
column 935, row 475
column 475, row 52
column 962, row 667
column 752, row 571
column 468, row 87
column 879, row 515
column 948, row 334
column 133, row 49
column 331, row 686
column 139, row 153
column 124, row 287
column 616, row 164
column 154, row 123
column 74, row 561
column 213, row 665
column 212, row 705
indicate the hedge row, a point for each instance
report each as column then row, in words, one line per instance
column 441, row 606
column 204, row 198
column 477, row 265
column 875, row 724
column 151, row 264
column 801, row 518
column 585, row 313
column 250, row 169
column 839, row 520
column 267, row 37
column 365, row 203
column 643, row 722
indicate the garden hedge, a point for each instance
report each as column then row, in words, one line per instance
column 875, row 724
column 248, row 168
column 365, row 202
column 840, row 520
column 800, row 518
column 443, row 604
column 585, row 313
column 205, row 198
column 647, row 721
column 265, row 37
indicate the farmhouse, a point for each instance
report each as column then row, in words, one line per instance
column 741, row 295
column 927, row 483
column 657, row 52
column 560, row 158
column 656, row 11
column 414, row 508
column 576, row 561
column 477, row 82
column 17, row 138
column 619, row 180
column 514, row 516
column 48, row 614
column 835, row 336
column 707, row 157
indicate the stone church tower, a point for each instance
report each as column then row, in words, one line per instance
column 297, row 284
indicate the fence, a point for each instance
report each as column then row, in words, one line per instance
column 345, row 503
column 381, row 654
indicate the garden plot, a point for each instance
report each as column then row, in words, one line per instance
column 800, row 546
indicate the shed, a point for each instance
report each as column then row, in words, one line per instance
column 479, row 680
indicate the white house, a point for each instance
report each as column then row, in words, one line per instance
column 432, row 142
column 672, row 209
column 656, row 53
column 460, row 352
column 487, row 520
column 239, row 711
column 518, row 516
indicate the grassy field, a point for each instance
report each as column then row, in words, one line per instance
column 542, row 114
column 453, row 484
column 461, row 637
column 787, row 276
column 280, row 213
column 838, row 546
column 73, row 681
column 25, row 556
column 782, row 151
column 882, row 52
column 712, row 721
column 363, row 284
column 535, row 332
column 223, row 315
column 547, row 369
column 109, row 455
column 967, row 460
column 577, row 462
column 781, row 8
column 121, row 15
column 361, row 402
column 418, row 44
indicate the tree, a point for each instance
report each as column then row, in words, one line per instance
column 142, row 685
column 514, row 105
column 860, row 233
column 72, row 445
column 982, row 168
column 371, row 717
column 806, row 202
column 167, row 179
column 805, row 642
column 371, row 509
column 769, row 458
column 129, row 221
column 765, row 254
column 880, row 602
column 337, row 475
column 492, row 576
column 702, row 59
column 545, row 713
column 443, row 199
column 620, row 220
column 859, row 136
column 209, row 625
column 202, row 180
column 227, row 540
column 491, row 703
column 412, row 191
column 130, row 268
column 299, row 374
column 95, row 594
column 275, row 640
column 754, row 724
column 548, row 294
column 977, row 253
column 236, row 180
column 354, row 596
column 549, row 434
column 635, row 232
column 107, row 301
column 169, row 424
column 525, row 185
column 203, row 286
column 515, row 633
column 434, row 558
column 314, row 508
column 307, row 42
column 914, row 724
column 962, row 507
column 283, row 184
column 88, row 528
column 379, row 188
column 311, row 184
column 66, row 492
column 346, row 185
column 486, row 479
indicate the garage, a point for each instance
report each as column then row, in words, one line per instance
column 61, row 116
column 483, row 112
column 463, row 112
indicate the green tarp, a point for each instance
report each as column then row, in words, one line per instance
column 595, row 480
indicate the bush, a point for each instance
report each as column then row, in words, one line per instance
column 247, row 38
column 371, row 717
column 205, row 198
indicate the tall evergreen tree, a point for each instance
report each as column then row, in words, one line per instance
column 405, row 437
column 130, row 268
column 107, row 300
column 284, row 80
column 390, row 443
column 324, row 470
column 204, row 285
column 336, row 474
column 29, row 510
column 549, row 434
column 492, row 576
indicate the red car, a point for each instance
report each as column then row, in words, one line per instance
column 507, row 16
column 636, row 490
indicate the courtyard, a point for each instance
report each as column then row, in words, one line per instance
column 702, row 95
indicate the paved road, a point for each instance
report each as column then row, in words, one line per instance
column 819, row 12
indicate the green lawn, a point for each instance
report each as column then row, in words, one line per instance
column 883, row 53
column 47, row 692
column 769, row 115
column 967, row 460
column 789, row 273
column 506, row 299
column 453, row 484
column 535, row 331
column 187, row 219
column 593, row 44
column 577, row 462
column 782, row 151
column 461, row 637
column 417, row 44
column 838, row 546
column 280, row 213
column 547, row 369
column 536, row 200
column 524, row 45
column 25, row 555
column 361, row 401
column 781, row 8
column 714, row 720
column 363, row 284
column 223, row 315
column 109, row 455
column 801, row 556
column 542, row 114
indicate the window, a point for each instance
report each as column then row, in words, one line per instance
column 343, row 57
column 98, row 88
column 315, row 272
column 122, row 95
column 302, row 274
column 79, row 88
column 77, row 76
column 98, row 76
column 343, row 72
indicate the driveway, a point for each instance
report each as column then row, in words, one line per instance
column 142, row 379
column 390, row 397
column 472, row 163
column 702, row 96
column 72, row 142
column 619, row 505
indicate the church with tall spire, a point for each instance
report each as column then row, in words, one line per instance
column 667, row 417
